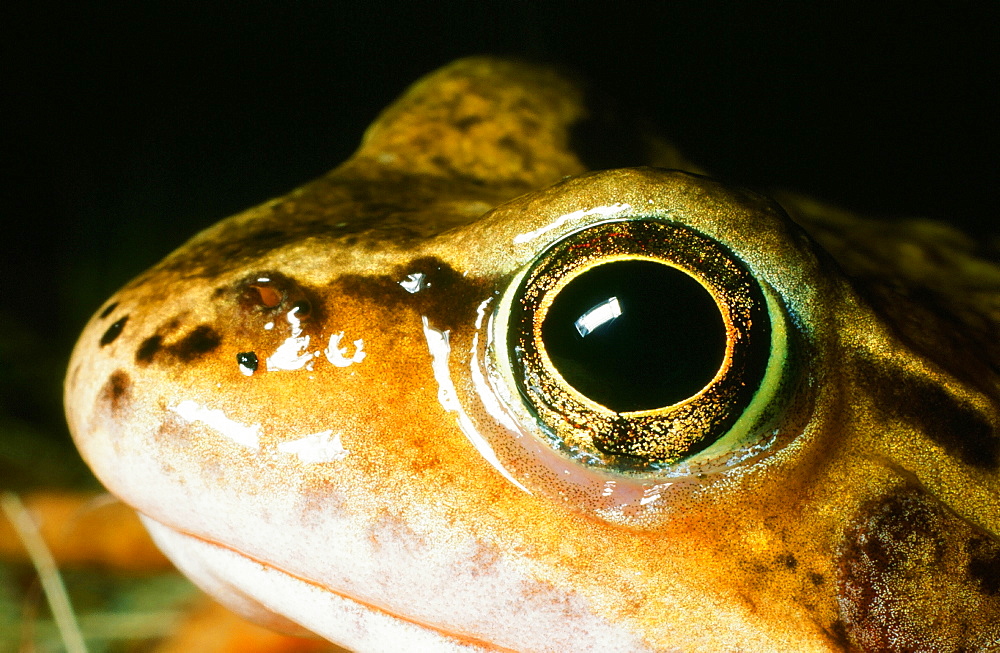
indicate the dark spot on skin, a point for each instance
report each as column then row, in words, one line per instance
column 107, row 311
column 113, row 331
column 247, row 359
column 838, row 633
column 449, row 168
column 748, row 601
column 984, row 564
column 948, row 422
column 147, row 349
column 441, row 161
column 463, row 124
column 788, row 560
column 524, row 105
column 912, row 575
column 970, row 437
column 196, row 344
column 174, row 430
column 448, row 299
column 115, row 391
column 933, row 322
column 200, row 341
column 816, row 579
column 522, row 151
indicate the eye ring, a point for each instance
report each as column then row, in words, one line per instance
column 645, row 437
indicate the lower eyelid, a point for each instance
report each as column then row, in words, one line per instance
column 639, row 501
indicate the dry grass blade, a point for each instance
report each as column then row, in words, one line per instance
column 48, row 572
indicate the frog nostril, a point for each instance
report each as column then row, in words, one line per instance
column 272, row 292
column 269, row 297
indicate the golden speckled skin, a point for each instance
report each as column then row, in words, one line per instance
column 351, row 491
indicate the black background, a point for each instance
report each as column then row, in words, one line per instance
column 127, row 127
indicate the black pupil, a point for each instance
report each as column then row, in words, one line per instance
column 635, row 335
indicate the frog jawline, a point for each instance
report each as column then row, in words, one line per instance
column 356, row 624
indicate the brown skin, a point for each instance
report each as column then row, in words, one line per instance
column 870, row 524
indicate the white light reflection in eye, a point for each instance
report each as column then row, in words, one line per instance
column 599, row 315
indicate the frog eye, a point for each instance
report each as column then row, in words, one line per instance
column 637, row 344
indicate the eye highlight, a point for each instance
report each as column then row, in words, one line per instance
column 637, row 344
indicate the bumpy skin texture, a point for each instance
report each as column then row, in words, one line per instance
column 351, row 495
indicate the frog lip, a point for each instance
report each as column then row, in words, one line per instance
column 274, row 596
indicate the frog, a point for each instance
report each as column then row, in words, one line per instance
column 471, row 391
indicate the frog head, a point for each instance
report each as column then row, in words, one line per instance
column 463, row 394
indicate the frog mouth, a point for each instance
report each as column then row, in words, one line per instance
column 281, row 600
